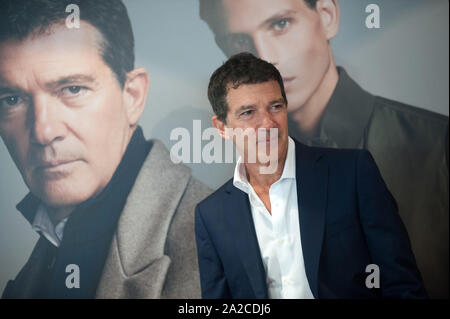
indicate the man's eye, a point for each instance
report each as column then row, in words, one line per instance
column 277, row 106
column 246, row 113
column 72, row 90
column 239, row 43
column 280, row 24
column 10, row 101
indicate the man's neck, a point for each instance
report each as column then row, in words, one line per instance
column 262, row 182
column 308, row 116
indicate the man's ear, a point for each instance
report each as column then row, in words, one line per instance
column 329, row 14
column 135, row 94
column 220, row 126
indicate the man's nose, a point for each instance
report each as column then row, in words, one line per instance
column 47, row 122
column 267, row 121
column 265, row 49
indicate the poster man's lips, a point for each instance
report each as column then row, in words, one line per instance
column 55, row 163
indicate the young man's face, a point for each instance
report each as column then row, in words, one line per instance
column 62, row 114
column 257, row 108
column 287, row 33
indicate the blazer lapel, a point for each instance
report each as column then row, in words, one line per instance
column 137, row 265
column 312, row 184
column 240, row 221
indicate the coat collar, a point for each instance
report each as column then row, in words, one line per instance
column 312, row 184
column 139, row 243
column 150, row 208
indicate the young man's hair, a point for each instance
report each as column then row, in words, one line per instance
column 20, row 19
column 211, row 12
column 240, row 69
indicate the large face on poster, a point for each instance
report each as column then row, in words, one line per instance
column 63, row 117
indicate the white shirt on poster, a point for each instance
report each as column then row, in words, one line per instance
column 43, row 224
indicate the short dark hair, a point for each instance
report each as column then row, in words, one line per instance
column 22, row 18
column 210, row 12
column 242, row 68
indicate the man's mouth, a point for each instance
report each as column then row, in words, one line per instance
column 56, row 168
column 54, row 163
column 267, row 139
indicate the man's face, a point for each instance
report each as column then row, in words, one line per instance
column 286, row 33
column 62, row 114
column 257, row 108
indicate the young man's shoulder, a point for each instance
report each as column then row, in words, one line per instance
column 406, row 113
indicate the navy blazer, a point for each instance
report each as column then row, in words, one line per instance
column 348, row 220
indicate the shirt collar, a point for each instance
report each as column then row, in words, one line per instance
column 43, row 225
column 240, row 173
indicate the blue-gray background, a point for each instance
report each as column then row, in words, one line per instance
column 407, row 59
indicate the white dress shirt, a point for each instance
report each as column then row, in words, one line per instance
column 279, row 233
column 43, row 224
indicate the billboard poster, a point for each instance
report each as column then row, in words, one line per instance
column 108, row 142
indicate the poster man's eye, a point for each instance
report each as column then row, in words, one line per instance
column 241, row 43
column 280, row 24
column 236, row 43
column 74, row 89
column 10, row 101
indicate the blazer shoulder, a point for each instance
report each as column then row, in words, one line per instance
column 344, row 159
column 213, row 199
column 329, row 153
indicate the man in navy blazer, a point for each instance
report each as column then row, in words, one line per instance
column 322, row 225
